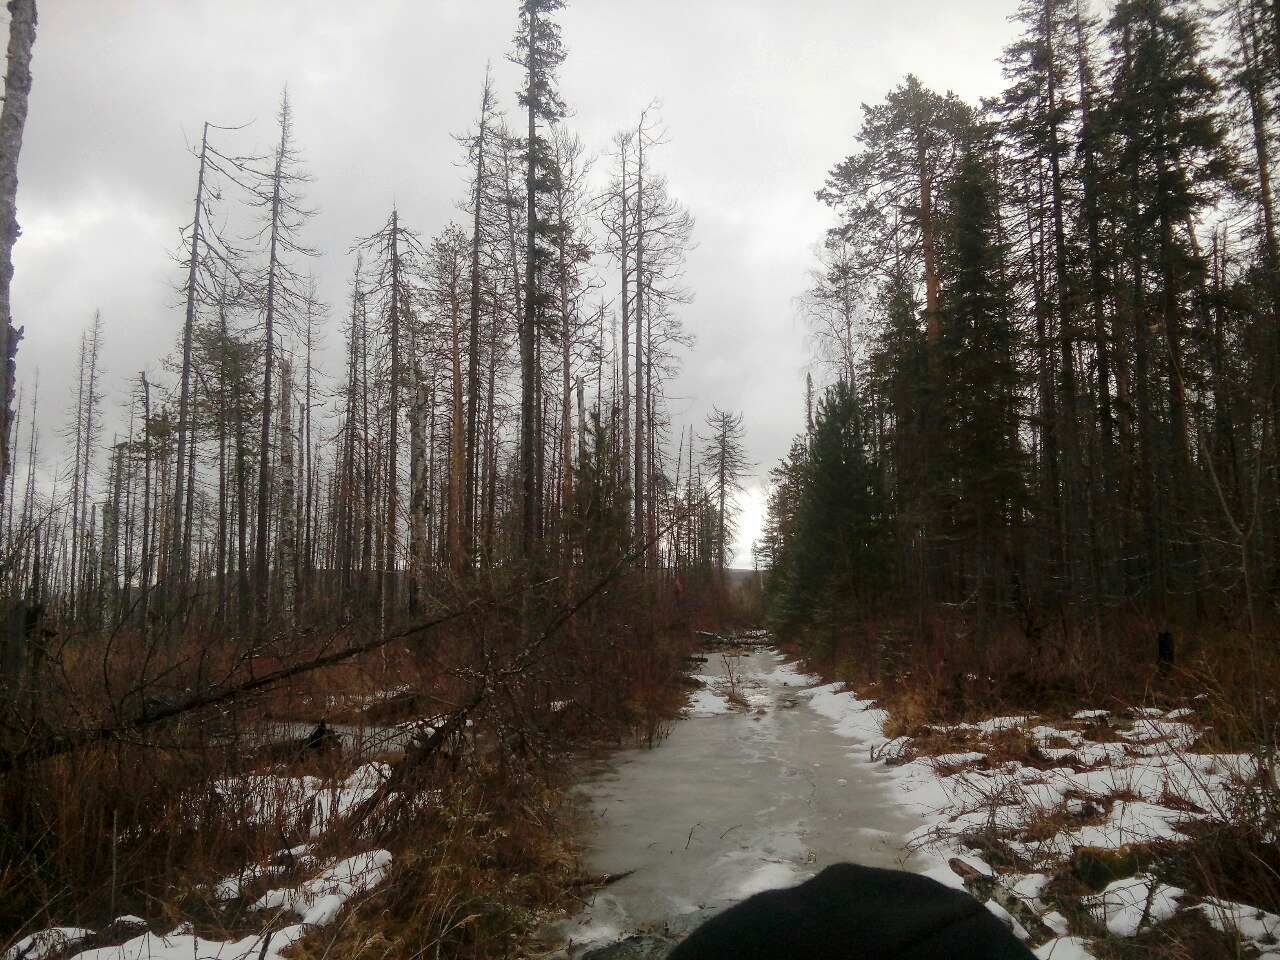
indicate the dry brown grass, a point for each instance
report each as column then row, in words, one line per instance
column 134, row 824
column 949, row 672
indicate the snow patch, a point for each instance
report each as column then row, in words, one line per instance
column 707, row 703
column 319, row 900
column 44, row 942
column 1126, row 906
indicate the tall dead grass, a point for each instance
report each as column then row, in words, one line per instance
column 147, row 821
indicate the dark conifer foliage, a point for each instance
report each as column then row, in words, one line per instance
column 1063, row 312
column 828, row 511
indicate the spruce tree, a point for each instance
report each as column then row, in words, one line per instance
column 985, row 483
column 1167, row 139
column 540, row 52
column 838, row 552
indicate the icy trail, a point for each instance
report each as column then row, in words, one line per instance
column 737, row 799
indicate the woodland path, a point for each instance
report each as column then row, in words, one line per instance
column 735, row 800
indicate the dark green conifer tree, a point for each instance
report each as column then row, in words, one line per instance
column 834, row 559
column 985, row 486
column 540, row 52
column 1167, row 140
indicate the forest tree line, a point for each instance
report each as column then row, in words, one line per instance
column 502, row 396
column 1050, row 328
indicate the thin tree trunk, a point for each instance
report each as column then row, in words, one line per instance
column 457, row 448
column 528, row 332
column 473, row 342
column 638, row 465
column 261, row 586
column 393, row 416
column 146, row 503
column 178, row 550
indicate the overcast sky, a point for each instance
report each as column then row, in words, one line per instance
column 760, row 98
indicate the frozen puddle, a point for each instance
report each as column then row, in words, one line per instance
column 736, row 800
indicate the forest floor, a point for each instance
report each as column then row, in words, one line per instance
column 473, row 856
column 1107, row 834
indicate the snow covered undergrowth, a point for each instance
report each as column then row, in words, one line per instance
column 1114, row 787
column 279, row 911
column 287, row 914
column 300, row 805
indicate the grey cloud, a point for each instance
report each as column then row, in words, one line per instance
column 760, row 98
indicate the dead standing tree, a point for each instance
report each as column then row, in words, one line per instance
column 479, row 149
column 446, row 273
column 210, row 261
column 397, row 255
column 13, row 118
column 276, row 193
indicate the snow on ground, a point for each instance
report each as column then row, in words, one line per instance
column 319, row 899
column 315, row 903
column 739, row 690
column 768, row 876
column 1108, row 782
column 706, row 702
column 1125, row 906
column 787, row 675
column 1257, row 925
column 44, row 942
column 304, row 804
column 186, row 946
column 1065, row 948
column 300, row 805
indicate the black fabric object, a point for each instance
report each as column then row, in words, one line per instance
column 850, row 912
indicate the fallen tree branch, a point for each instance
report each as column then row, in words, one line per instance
column 415, row 758
column 985, row 887
column 67, row 742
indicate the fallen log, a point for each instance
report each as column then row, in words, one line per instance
column 985, row 887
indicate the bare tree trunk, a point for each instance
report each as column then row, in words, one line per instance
column 473, row 342
column 288, row 532
column 306, row 556
column 393, row 420
column 13, row 118
column 419, row 495
column 566, row 409
column 528, row 331
column 261, row 586
column 224, row 531
column 638, row 468
column 76, row 502
column 178, row 550
column 243, row 587
column 490, row 499
column 90, row 413
column 457, row 451
column 146, row 503
column 626, row 312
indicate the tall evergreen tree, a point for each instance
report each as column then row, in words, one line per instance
column 985, row 464
column 835, row 556
column 540, row 52
column 1168, row 141
column 724, row 458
